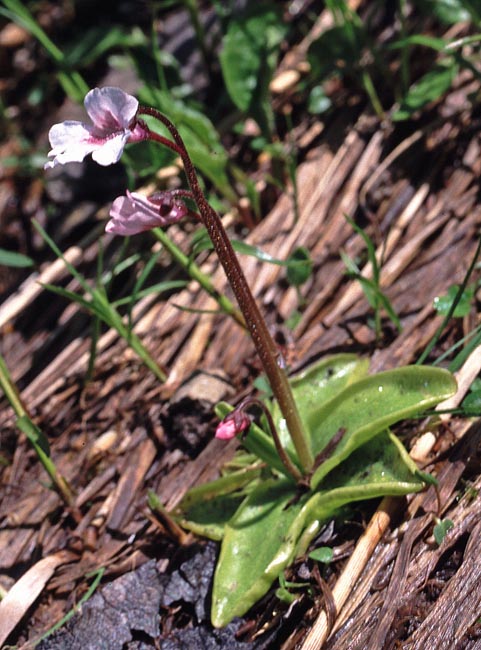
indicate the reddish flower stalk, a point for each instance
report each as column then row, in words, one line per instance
column 257, row 326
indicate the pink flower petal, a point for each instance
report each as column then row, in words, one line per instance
column 71, row 142
column 226, row 430
column 110, row 109
column 113, row 114
column 111, row 150
column 233, row 424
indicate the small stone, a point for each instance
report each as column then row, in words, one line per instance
column 204, row 386
column 13, row 35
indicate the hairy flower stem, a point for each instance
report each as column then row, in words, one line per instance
column 264, row 344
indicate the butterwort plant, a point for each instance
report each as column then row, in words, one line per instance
column 322, row 441
column 116, row 120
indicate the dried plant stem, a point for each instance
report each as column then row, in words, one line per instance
column 353, row 569
column 265, row 346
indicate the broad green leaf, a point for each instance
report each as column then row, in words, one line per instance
column 248, row 59
column 429, row 88
column 208, row 519
column 272, row 527
column 221, row 486
column 207, row 508
column 383, row 462
column 442, row 304
column 318, row 384
column 381, row 467
column 257, row 546
column 17, row 260
column 328, row 375
column 321, row 381
column 370, row 405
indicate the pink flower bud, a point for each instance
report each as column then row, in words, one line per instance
column 135, row 213
column 233, row 424
column 113, row 113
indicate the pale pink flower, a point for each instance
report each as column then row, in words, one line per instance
column 135, row 213
column 233, row 424
column 113, row 114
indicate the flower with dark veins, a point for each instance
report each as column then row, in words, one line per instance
column 114, row 123
column 135, row 213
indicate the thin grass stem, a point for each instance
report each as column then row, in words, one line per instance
column 37, row 439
